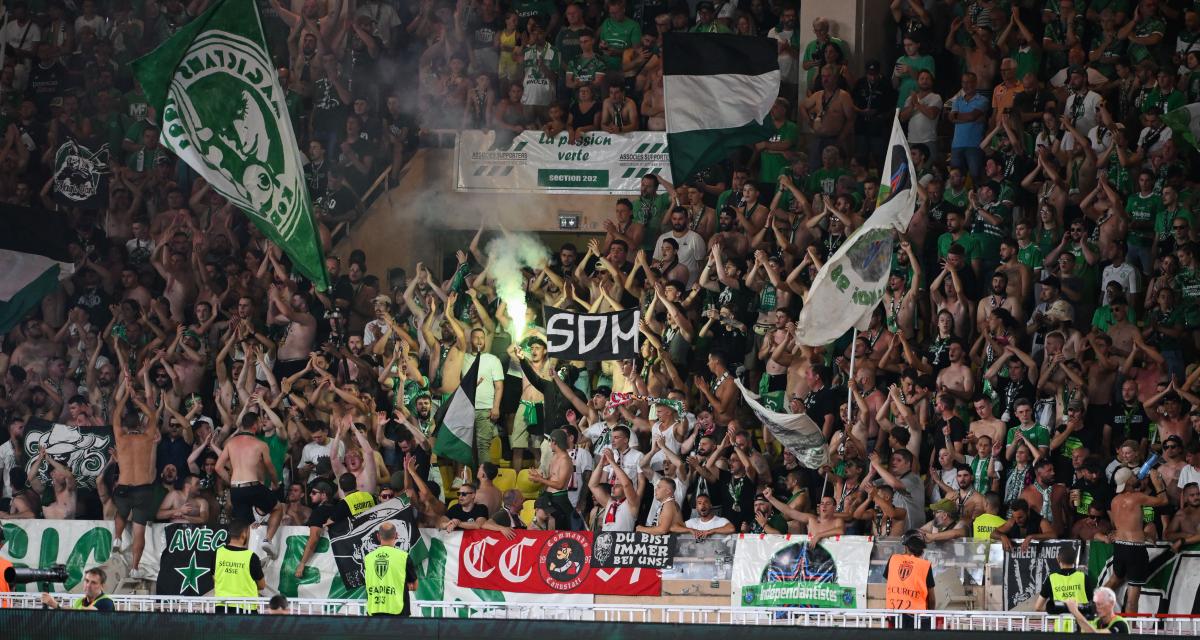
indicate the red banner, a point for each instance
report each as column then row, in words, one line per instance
column 545, row 562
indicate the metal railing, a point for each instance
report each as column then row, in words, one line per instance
column 636, row 613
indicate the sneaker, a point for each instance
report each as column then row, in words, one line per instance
column 270, row 550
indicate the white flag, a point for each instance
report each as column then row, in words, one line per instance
column 795, row 431
column 851, row 284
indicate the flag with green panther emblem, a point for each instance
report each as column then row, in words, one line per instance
column 223, row 113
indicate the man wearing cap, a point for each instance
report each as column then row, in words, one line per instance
column 945, row 525
column 1131, row 562
column 875, row 101
column 910, row 578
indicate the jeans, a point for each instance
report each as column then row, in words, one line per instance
column 969, row 159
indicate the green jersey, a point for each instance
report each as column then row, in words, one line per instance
column 618, row 36
column 1143, row 210
column 772, row 163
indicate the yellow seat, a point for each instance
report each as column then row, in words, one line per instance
column 452, row 503
column 497, row 455
column 527, row 487
column 506, row 479
column 527, row 512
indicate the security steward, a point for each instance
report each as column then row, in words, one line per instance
column 909, row 579
column 1106, row 620
column 1066, row 583
column 237, row 572
column 356, row 501
column 94, row 598
column 389, row 576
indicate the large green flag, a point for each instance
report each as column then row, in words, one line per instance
column 223, row 113
column 1185, row 123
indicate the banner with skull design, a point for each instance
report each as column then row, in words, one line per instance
column 351, row 540
column 83, row 450
column 81, row 176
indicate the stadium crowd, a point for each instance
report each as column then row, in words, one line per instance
column 1030, row 373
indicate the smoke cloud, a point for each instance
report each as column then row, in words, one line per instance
column 509, row 254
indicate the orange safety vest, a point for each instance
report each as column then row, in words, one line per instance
column 4, row 586
column 906, row 582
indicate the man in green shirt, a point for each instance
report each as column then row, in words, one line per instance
column 617, row 33
column 778, row 149
column 814, row 53
column 1143, row 208
column 1034, row 435
column 956, row 233
column 908, row 66
column 389, row 575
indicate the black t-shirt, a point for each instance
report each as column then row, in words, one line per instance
column 820, row 403
column 1129, row 422
column 330, row 511
column 736, row 497
column 256, row 570
column 458, row 513
column 934, row 438
column 1033, row 524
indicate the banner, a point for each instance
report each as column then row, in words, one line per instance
column 633, row 549
column 81, row 176
column 77, row 544
column 545, row 562
column 592, row 337
column 83, row 450
column 1174, row 582
column 351, row 540
column 224, row 113
column 1026, row 570
column 597, row 162
column 785, row 570
column 185, row 566
column 708, row 558
column 795, row 431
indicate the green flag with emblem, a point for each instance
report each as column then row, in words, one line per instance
column 222, row 111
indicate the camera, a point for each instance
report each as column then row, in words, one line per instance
column 25, row 575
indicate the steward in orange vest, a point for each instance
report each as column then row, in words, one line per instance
column 910, row 577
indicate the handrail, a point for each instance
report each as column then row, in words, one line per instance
column 1158, row 624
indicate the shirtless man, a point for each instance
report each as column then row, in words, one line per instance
column 956, row 379
column 360, row 462
column 999, row 299
column 137, row 451
column 1050, row 499
column 62, row 481
column 987, row 425
column 830, row 112
column 722, row 394
column 887, row 519
column 980, row 54
column 177, row 271
column 1101, row 372
column 243, row 463
column 295, row 514
column 969, row 502
column 660, row 521
column 188, row 361
column 823, row 525
column 486, row 493
column 36, row 350
column 101, row 386
column 1131, row 562
column 900, row 303
column 1020, row 276
column 301, row 331
column 559, row 480
column 446, row 362
column 184, row 506
column 533, row 408
column 1185, row 526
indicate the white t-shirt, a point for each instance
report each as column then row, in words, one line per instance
column 490, row 372
column 16, row 36
column 1124, row 275
column 8, row 461
column 716, row 522
column 583, row 465
column 922, row 128
column 313, row 451
column 692, row 251
column 1164, row 134
column 1082, row 112
column 630, row 461
column 788, row 67
column 1188, row 475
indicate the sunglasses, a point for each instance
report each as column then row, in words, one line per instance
column 1170, row 446
column 466, row 493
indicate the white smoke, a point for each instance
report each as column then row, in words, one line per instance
column 509, row 254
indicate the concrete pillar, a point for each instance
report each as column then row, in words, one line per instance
column 863, row 24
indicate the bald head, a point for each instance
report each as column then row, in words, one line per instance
column 387, row 532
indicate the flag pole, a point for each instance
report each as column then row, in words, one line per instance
column 849, row 402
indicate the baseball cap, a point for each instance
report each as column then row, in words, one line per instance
column 705, row 4
column 1122, row 477
column 872, row 66
column 946, row 506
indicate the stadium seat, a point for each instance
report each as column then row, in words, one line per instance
column 527, row 487
column 452, row 503
column 506, row 479
column 497, row 454
column 527, row 511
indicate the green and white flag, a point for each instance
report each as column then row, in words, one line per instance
column 850, row 285
column 456, row 421
column 223, row 113
column 719, row 90
column 1185, row 123
column 33, row 259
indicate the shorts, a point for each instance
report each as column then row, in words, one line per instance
column 287, row 368
column 1131, row 562
column 523, row 433
column 246, row 498
column 135, row 503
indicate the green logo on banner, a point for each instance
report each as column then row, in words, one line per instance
column 799, row 594
column 573, row 178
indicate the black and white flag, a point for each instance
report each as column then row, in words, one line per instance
column 81, row 176
column 351, row 540
column 83, row 450
column 592, row 336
